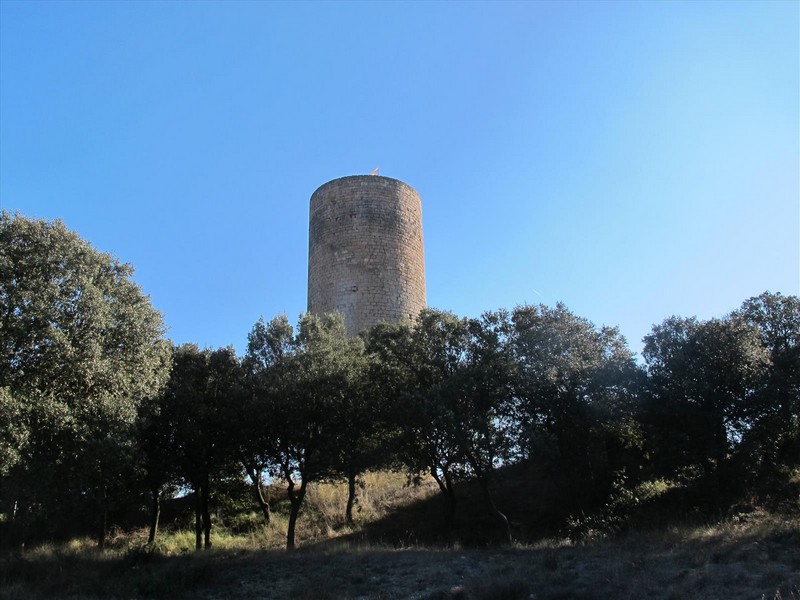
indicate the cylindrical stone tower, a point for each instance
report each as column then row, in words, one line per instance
column 365, row 254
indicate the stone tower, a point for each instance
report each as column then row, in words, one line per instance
column 365, row 254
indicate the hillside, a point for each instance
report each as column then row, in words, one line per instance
column 756, row 557
column 398, row 548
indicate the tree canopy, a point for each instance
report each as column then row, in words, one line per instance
column 80, row 347
column 99, row 412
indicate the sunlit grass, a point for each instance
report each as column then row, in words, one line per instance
column 322, row 517
column 749, row 555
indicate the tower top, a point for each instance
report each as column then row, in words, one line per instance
column 365, row 256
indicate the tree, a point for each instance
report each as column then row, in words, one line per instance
column 448, row 381
column 13, row 431
column 157, row 447
column 300, row 380
column 426, row 414
column 80, row 347
column 575, row 385
column 267, row 366
column 772, row 440
column 484, row 403
column 702, row 377
column 203, row 387
column 358, row 423
column 253, row 441
column 777, row 318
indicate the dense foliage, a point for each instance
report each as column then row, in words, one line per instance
column 93, row 426
column 80, row 347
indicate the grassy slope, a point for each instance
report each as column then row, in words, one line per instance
column 757, row 558
column 398, row 550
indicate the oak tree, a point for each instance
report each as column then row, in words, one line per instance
column 80, row 347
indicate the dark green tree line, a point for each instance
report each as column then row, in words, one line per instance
column 98, row 412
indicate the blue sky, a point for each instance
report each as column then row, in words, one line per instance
column 633, row 160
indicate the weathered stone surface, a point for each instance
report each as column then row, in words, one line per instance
column 365, row 251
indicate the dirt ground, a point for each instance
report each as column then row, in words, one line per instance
column 758, row 560
column 741, row 567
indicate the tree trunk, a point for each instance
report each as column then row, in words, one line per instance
column 18, row 524
column 722, row 444
column 198, row 522
column 451, row 499
column 449, row 496
column 263, row 503
column 155, row 513
column 206, row 516
column 494, row 510
column 351, row 495
column 255, row 477
column 295, row 501
column 101, row 538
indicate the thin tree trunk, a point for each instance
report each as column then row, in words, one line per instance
column 493, row 508
column 590, row 463
column 206, row 516
column 263, row 503
column 198, row 522
column 451, row 500
column 155, row 513
column 351, row 495
column 101, row 538
column 295, row 501
column 18, row 524
column 449, row 495
column 255, row 477
column 722, row 444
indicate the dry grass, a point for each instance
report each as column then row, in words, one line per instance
column 755, row 556
column 322, row 518
column 377, row 495
column 752, row 555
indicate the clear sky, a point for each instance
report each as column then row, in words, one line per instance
column 634, row 159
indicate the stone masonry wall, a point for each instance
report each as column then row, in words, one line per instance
column 365, row 254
